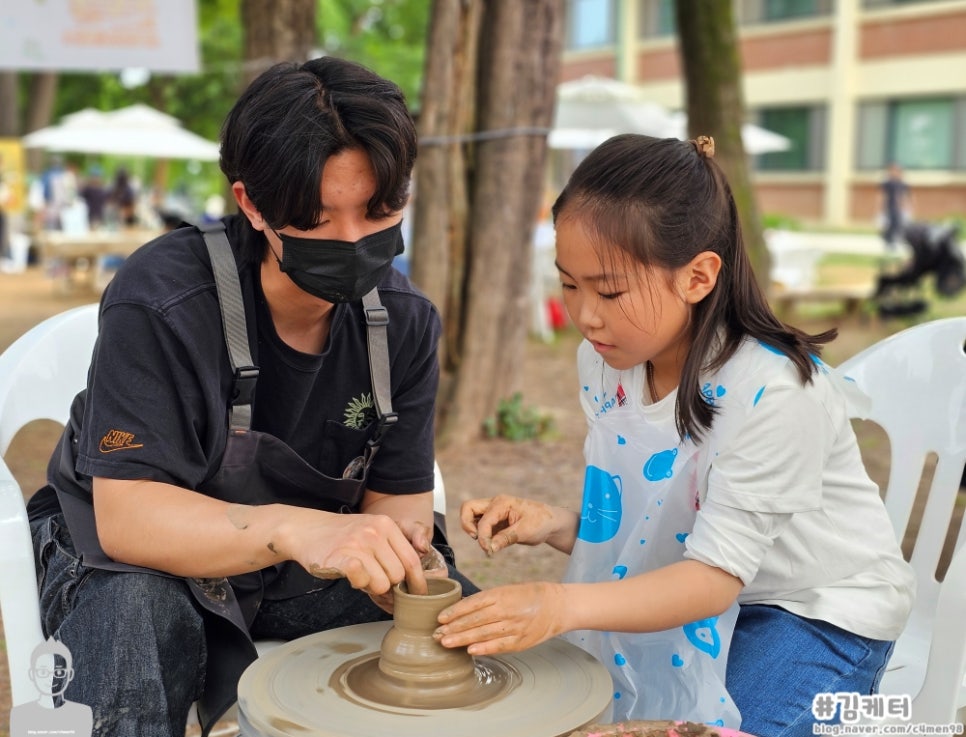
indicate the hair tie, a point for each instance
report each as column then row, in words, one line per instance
column 704, row 145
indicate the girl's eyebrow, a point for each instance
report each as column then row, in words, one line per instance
column 602, row 277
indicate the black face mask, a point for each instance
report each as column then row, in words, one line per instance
column 340, row 271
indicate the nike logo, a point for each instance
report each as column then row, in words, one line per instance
column 118, row 440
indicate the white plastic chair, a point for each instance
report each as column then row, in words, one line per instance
column 916, row 383
column 39, row 375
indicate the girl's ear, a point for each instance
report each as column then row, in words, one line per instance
column 248, row 207
column 700, row 276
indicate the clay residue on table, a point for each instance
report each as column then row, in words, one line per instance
column 637, row 728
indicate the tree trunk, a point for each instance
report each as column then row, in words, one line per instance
column 440, row 202
column 41, row 98
column 277, row 30
column 519, row 60
column 9, row 120
column 715, row 103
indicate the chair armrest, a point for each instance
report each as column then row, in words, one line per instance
column 19, row 602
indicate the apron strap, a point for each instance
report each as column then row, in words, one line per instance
column 225, row 271
column 233, row 320
column 377, row 318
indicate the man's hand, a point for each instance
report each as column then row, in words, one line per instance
column 370, row 550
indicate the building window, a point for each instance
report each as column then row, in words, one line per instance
column 656, row 19
column 773, row 11
column 892, row 3
column 591, row 24
column 916, row 133
column 805, row 126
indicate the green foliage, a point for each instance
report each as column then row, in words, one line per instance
column 778, row 221
column 959, row 220
column 516, row 422
column 388, row 36
column 200, row 101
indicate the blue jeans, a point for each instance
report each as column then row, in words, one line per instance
column 779, row 661
column 138, row 640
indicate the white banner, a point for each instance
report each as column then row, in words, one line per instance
column 99, row 35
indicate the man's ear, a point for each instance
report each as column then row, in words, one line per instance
column 700, row 276
column 248, row 207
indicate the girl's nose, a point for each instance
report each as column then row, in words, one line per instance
column 588, row 314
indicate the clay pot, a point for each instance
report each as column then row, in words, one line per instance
column 409, row 655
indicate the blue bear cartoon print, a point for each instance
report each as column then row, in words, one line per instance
column 711, row 395
column 703, row 634
column 600, row 515
column 660, row 466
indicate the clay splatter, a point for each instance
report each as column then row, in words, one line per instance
column 238, row 516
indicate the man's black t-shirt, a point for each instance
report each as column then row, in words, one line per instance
column 160, row 379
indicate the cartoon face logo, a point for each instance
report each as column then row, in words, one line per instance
column 660, row 466
column 703, row 634
column 600, row 515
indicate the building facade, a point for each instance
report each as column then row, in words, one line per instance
column 855, row 84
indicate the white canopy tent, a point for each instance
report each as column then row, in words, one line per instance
column 757, row 140
column 592, row 109
column 138, row 130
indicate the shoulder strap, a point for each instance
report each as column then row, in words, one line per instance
column 377, row 318
column 236, row 337
column 233, row 320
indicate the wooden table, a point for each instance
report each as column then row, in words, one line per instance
column 76, row 260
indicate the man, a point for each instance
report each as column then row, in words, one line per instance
column 282, row 461
column 896, row 206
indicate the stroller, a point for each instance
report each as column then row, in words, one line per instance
column 936, row 251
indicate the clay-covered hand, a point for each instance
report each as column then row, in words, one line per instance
column 503, row 520
column 370, row 550
column 504, row 619
column 418, row 534
column 434, row 566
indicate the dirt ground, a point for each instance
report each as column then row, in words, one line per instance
column 549, row 470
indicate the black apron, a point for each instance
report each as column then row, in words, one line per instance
column 257, row 468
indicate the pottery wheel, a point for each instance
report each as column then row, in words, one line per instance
column 314, row 687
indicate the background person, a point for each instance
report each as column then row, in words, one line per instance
column 896, row 206
column 96, row 197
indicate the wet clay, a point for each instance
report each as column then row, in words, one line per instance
column 412, row 669
column 370, row 680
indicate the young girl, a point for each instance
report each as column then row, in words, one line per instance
column 721, row 468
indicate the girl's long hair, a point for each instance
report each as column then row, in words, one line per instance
column 662, row 202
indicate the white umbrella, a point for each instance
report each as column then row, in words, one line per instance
column 138, row 130
column 757, row 140
column 592, row 109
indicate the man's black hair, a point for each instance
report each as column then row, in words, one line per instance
column 284, row 127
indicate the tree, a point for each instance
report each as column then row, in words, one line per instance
column 280, row 30
column 388, row 36
column 715, row 104
column 487, row 103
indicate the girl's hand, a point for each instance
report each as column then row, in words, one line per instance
column 505, row 619
column 503, row 520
